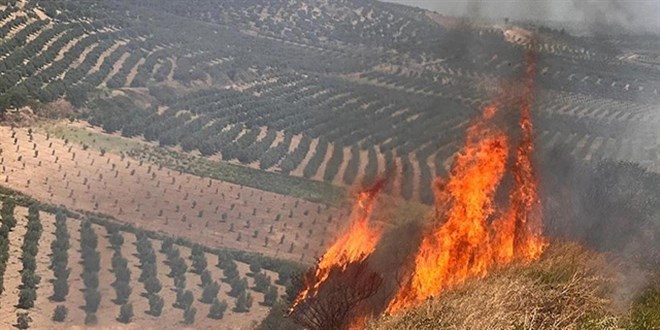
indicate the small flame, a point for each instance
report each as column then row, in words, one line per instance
column 356, row 244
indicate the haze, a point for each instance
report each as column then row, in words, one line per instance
column 636, row 16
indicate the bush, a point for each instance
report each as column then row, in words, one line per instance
column 156, row 304
column 255, row 267
column 218, row 309
column 125, row 313
column 92, row 301
column 646, row 310
column 261, row 282
column 26, row 298
column 243, row 303
column 152, row 285
column 270, row 297
column 23, row 320
column 189, row 315
column 210, row 292
column 60, row 313
column 60, row 289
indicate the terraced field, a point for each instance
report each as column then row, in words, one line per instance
column 149, row 196
column 108, row 309
column 249, row 124
column 386, row 99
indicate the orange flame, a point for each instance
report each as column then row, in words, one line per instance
column 467, row 244
column 455, row 249
column 356, row 244
column 469, row 236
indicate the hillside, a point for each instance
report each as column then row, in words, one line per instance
column 568, row 288
column 180, row 164
column 301, row 80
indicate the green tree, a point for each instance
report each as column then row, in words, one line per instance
column 206, row 278
column 238, row 286
column 255, row 267
column 199, row 263
column 261, row 282
column 123, row 291
column 241, row 303
column 23, row 320
column 60, row 313
column 125, row 313
column 26, row 298
column 210, row 292
column 270, row 297
column 152, row 285
column 156, row 304
column 218, row 309
column 184, row 299
column 189, row 315
column 60, row 289
column 92, row 301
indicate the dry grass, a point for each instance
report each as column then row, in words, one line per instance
column 566, row 289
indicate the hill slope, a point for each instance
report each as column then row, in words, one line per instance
column 569, row 288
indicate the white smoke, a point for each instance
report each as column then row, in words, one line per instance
column 592, row 16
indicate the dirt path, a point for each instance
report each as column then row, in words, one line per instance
column 312, row 149
column 116, row 67
column 105, row 54
column 321, row 171
column 339, row 178
column 134, row 71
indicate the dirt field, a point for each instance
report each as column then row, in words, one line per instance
column 211, row 212
column 108, row 310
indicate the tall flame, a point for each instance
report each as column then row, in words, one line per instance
column 468, row 243
column 356, row 244
column 470, row 235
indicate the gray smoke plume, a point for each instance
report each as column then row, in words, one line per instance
column 589, row 16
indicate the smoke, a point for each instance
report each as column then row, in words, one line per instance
column 590, row 16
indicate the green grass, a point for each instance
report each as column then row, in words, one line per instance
column 645, row 314
column 92, row 139
column 314, row 191
column 319, row 192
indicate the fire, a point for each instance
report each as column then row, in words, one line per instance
column 469, row 243
column 356, row 244
column 471, row 233
column 454, row 250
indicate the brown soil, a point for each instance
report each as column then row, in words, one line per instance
column 108, row 311
column 162, row 200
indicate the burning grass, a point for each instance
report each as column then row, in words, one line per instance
column 470, row 234
column 567, row 288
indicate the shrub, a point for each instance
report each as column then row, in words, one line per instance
column 189, row 315
column 156, row 304
column 125, row 313
column 210, row 292
column 242, row 303
column 218, row 309
column 23, row 320
column 270, row 297
column 60, row 313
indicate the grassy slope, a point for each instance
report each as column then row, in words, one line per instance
column 569, row 288
column 314, row 191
